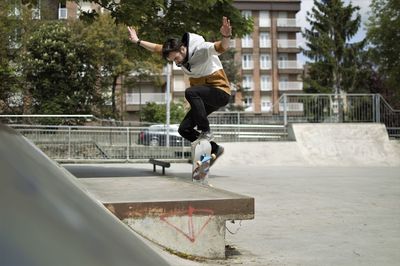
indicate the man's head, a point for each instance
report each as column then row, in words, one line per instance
column 174, row 51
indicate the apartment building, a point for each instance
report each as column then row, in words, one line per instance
column 268, row 56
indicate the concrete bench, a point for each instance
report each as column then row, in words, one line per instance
column 179, row 215
column 159, row 163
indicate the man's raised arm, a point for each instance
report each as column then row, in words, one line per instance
column 226, row 32
column 153, row 47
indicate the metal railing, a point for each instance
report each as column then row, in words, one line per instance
column 289, row 64
column 290, row 85
column 285, row 43
column 287, row 22
column 124, row 144
column 320, row 108
column 341, row 108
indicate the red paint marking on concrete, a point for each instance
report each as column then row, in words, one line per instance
column 190, row 234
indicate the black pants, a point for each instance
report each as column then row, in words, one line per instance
column 203, row 101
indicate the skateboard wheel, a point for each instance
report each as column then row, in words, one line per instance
column 198, row 163
column 213, row 156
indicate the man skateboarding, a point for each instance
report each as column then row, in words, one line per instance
column 209, row 87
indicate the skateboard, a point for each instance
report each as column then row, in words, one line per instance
column 202, row 157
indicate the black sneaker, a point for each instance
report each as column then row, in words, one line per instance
column 219, row 153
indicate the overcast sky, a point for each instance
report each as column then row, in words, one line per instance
column 306, row 5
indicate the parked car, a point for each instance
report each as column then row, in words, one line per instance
column 156, row 135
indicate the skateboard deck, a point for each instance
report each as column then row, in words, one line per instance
column 202, row 157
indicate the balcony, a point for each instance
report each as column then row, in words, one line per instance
column 265, row 43
column 287, row 64
column 288, row 44
column 287, row 22
column 247, row 43
column 143, row 98
column 265, row 65
column 266, row 86
column 290, row 86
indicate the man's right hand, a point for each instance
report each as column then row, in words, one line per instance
column 133, row 35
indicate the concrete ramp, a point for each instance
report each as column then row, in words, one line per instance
column 346, row 144
column 319, row 145
column 48, row 219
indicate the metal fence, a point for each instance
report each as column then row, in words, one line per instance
column 320, row 108
column 342, row 108
column 122, row 144
column 113, row 143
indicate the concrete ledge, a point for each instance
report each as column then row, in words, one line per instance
column 179, row 215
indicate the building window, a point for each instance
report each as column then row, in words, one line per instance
column 248, row 103
column 266, row 104
column 283, row 82
column 283, row 57
column 247, row 41
column 265, row 41
column 62, row 11
column 246, row 13
column 265, row 20
column 247, row 61
column 265, row 61
column 247, row 82
column 266, row 83
column 282, row 14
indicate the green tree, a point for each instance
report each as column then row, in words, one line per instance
column 156, row 113
column 108, row 42
column 383, row 33
column 59, row 71
column 334, row 65
column 231, row 68
column 156, row 19
column 15, row 21
column 7, row 76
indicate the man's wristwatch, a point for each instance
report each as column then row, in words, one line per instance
column 138, row 42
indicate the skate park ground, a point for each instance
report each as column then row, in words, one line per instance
column 331, row 198
column 308, row 210
column 306, row 215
